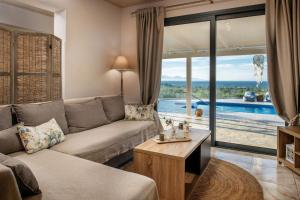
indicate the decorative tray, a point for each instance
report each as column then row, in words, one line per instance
column 171, row 140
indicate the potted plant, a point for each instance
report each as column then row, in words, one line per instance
column 260, row 97
column 198, row 112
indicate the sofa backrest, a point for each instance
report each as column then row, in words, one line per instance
column 85, row 99
column 78, row 100
column 107, row 107
column 66, row 101
column 85, row 114
column 34, row 114
column 5, row 117
column 113, row 105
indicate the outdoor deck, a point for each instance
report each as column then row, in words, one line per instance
column 236, row 127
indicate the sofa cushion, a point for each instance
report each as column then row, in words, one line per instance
column 139, row 112
column 85, row 115
column 114, row 107
column 26, row 180
column 78, row 100
column 66, row 177
column 10, row 141
column 35, row 114
column 103, row 143
column 5, row 117
column 40, row 137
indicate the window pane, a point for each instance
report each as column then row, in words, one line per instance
column 245, row 114
column 185, row 74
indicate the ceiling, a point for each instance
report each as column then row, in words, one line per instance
column 238, row 36
column 126, row 3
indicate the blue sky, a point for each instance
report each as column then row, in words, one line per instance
column 229, row 68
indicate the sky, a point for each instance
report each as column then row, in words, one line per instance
column 229, row 68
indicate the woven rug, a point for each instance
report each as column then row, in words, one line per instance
column 222, row 180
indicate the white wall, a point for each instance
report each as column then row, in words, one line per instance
column 92, row 41
column 60, row 30
column 91, row 34
column 129, row 44
column 24, row 18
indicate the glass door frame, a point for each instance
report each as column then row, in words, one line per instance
column 213, row 17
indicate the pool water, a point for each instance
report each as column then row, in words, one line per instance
column 178, row 106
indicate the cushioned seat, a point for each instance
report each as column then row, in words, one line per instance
column 105, row 142
column 65, row 177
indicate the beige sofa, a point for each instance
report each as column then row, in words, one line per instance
column 72, row 169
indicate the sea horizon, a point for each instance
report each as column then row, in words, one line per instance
column 204, row 81
column 227, row 84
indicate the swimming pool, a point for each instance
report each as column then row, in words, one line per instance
column 178, row 106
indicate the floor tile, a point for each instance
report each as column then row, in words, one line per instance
column 224, row 150
column 235, row 157
column 279, row 192
column 256, row 155
column 278, row 175
column 264, row 162
column 297, row 181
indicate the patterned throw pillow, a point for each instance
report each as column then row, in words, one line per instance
column 40, row 137
column 139, row 112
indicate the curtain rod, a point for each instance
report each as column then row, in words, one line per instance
column 184, row 4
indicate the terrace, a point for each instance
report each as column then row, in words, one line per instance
column 234, row 127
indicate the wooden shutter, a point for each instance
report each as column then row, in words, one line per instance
column 56, row 76
column 5, row 66
column 32, row 68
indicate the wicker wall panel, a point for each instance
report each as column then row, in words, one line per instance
column 35, row 73
column 32, row 88
column 5, row 90
column 56, row 55
column 5, row 66
column 5, row 50
column 32, row 53
column 33, row 68
column 56, row 87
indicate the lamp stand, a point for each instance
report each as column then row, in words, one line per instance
column 122, row 93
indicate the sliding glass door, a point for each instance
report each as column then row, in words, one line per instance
column 185, row 74
column 215, row 75
column 244, row 111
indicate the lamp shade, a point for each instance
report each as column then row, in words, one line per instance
column 121, row 63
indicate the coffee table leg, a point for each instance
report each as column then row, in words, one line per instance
column 168, row 173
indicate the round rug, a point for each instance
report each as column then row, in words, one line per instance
column 223, row 180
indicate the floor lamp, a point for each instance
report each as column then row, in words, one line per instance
column 121, row 64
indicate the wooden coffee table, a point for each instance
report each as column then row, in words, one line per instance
column 169, row 163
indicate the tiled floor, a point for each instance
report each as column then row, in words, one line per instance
column 278, row 182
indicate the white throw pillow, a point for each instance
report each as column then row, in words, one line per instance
column 40, row 137
column 139, row 112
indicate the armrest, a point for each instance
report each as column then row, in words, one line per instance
column 8, row 184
